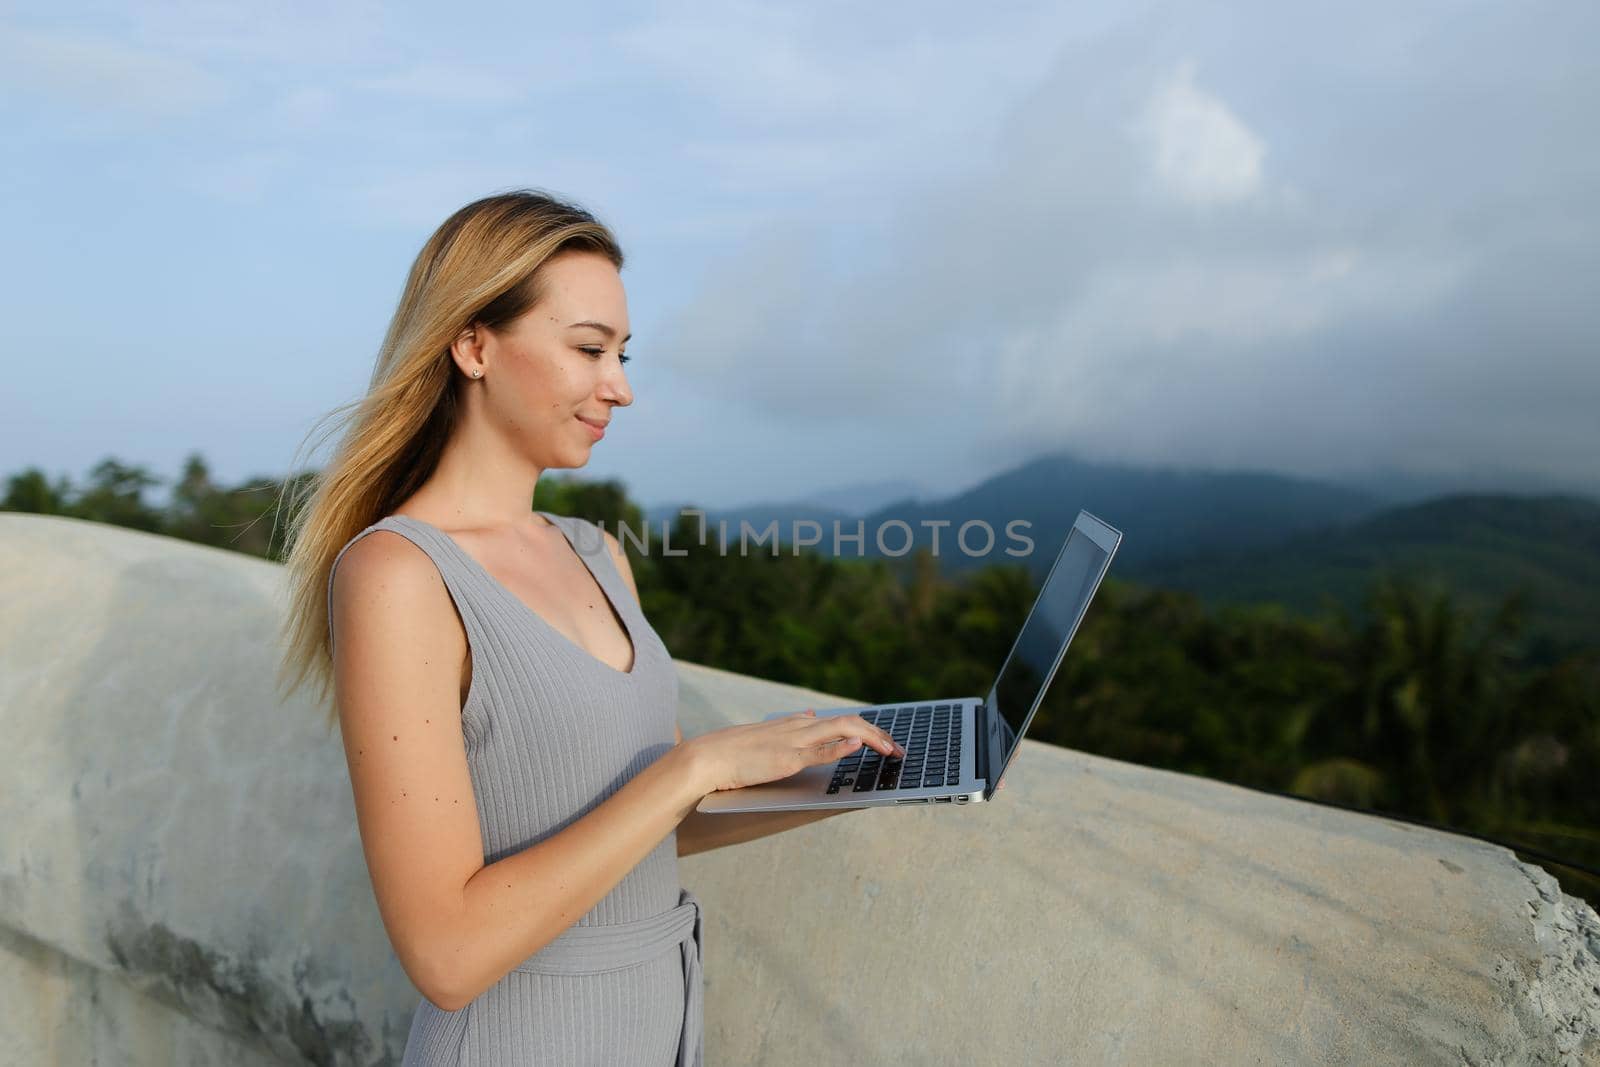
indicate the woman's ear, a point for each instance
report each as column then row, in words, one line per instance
column 467, row 352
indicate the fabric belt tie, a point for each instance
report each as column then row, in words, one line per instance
column 595, row 949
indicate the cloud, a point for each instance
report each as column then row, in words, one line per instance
column 1126, row 276
column 1287, row 237
column 105, row 74
column 1201, row 151
column 786, row 102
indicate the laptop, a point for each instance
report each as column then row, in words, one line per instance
column 956, row 749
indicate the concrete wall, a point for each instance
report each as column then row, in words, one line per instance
column 181, row 881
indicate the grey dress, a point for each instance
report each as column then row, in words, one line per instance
column 551, row 732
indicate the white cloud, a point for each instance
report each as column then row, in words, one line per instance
column 1135, row 341
column 1290, row 239
column 1317, row 325
column 742, row 56
column 791, row 101
column 1201, row 151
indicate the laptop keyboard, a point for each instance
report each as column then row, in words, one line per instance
column 931, row 737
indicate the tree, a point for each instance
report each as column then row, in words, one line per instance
column 1431, row 691
column 115, row 494
column 31, row 491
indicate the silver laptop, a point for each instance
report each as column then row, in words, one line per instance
column 956, row 749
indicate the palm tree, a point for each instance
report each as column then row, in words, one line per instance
column 1431, row 689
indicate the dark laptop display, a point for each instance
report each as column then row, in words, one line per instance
column 1038, row 650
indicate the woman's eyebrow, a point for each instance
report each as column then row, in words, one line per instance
column 602, row 327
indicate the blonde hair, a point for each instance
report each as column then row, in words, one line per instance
column 481, row 267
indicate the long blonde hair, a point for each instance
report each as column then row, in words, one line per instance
column 482, row 267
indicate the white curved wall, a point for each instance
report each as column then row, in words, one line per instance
column 181, row 863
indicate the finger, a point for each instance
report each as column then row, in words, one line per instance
column 845, row 726
column 880, row 737
column 876, row 730
column 829, row 751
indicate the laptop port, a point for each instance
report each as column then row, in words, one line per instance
column 941, row 800
column 913, row 800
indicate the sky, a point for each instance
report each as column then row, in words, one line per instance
column 894, row 241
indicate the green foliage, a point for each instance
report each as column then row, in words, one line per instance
column 243, row 518
column 1483, row 548
column 116, row 494
column 32, row 491
column 604, row 502
column 1417, row 704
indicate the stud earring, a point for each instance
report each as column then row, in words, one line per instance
column 477, row 374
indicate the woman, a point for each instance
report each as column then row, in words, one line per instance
column 508, row 714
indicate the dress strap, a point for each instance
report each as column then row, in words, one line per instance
column 441, row 550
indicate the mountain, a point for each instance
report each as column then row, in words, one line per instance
column 1482, row 546
column 863, row 498
column 1163, row 513
column 1246, row 537
column 825, row 507
column 1399, row 486
column 759, row 516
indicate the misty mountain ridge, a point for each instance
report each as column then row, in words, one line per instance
column 825, row 505
column 1242, row 537
column 1481, row 547
column 1178, row 511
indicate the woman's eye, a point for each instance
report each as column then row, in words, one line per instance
column 597, row 352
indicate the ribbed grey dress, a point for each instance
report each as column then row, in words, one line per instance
column 551, row 732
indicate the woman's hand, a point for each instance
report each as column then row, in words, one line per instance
column 753, row 753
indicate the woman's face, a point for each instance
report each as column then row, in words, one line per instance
column 555, row 375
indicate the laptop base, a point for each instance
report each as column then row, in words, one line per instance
column 809, row 789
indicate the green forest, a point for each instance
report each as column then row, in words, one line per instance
column 1416, row 705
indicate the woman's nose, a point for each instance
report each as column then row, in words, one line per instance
column 617, row 388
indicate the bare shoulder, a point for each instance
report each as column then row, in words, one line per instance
column 386, row 584
column 385, row 556
column 398, row 651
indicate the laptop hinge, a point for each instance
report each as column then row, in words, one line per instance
column 981, row 748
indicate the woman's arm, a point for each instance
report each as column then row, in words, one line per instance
column 701, row 832
column 698, row 831
column 458, row 925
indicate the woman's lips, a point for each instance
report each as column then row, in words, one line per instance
column 598, row 429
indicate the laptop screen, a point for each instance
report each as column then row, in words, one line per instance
column 1040, row 646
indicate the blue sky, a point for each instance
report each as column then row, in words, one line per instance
column 892, row 241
